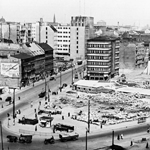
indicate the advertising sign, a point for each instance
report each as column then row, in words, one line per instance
column 10, row 70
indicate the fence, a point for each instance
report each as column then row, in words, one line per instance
column 34, row 132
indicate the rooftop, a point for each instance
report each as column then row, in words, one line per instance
column 22, row 56
column 103, row 38
column 93, row 83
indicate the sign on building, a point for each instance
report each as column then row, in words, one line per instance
column 9, row 72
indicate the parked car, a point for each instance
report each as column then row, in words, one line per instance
column 11, row 138
column 8, row 99
column 25, row 138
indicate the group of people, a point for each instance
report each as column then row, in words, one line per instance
column 120, row 136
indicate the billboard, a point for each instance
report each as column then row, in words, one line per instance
column 10, row 72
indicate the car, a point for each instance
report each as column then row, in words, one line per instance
column 64, row 85
column 52, row 78
column 8, row 99
column 1, row 99
column 42, row 94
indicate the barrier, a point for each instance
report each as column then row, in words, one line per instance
column 34, row 132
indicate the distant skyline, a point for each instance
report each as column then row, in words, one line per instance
column 126, row 12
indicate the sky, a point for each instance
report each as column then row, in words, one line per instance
column 126, row 12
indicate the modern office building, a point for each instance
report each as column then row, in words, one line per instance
column 102, row 58
column 63, row 41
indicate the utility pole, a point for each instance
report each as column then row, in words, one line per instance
column 14, row 116
column 89, row 116
column 60, row 79
column 112, row 139
column 1, row 136
column 72, row 73
column 86, row 139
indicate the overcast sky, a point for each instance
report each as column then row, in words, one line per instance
column 126, row 12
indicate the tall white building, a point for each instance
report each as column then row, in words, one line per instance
column 77, row 44
column 63, row 41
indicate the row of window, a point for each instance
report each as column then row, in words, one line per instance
column 98, row 52
column 63, row 36
column 63, row 40
column 63, row 27
column 98, row 69
column 65, row 49
column 98, row 63
column 99, row 45
column 99, row 57
column 64, row 32
column 63, row 45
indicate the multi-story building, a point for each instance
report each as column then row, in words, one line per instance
column 102, row 58
column 77, row 44
column 25, row 33
column 82, row 23
column 133, row 55
column 63, row 41
column 9, row 30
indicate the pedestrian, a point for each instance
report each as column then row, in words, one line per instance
column 118, row 137
column 18, row 97
column 147, row 146
column 31, row 104
column 101, row 125
column 62, row 117
column 131, row 143
column 36, row 128
column 36, row 116
column 68, row 114
column 121, row 136
column 54, row 129
column 148, row 130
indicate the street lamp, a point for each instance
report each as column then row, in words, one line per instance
column 1, row 136
column 89, row 115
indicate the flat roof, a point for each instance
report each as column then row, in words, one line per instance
column 134, row 90
column 93, row 83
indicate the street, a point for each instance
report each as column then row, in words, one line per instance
column 102, row 140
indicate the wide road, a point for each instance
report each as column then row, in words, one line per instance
column 37, row 144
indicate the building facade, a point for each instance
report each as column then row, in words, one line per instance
column 102, row 58
column 80, row 24
column 63, row 42
column 77, row 44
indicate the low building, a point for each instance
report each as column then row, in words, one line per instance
column 90, row 86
